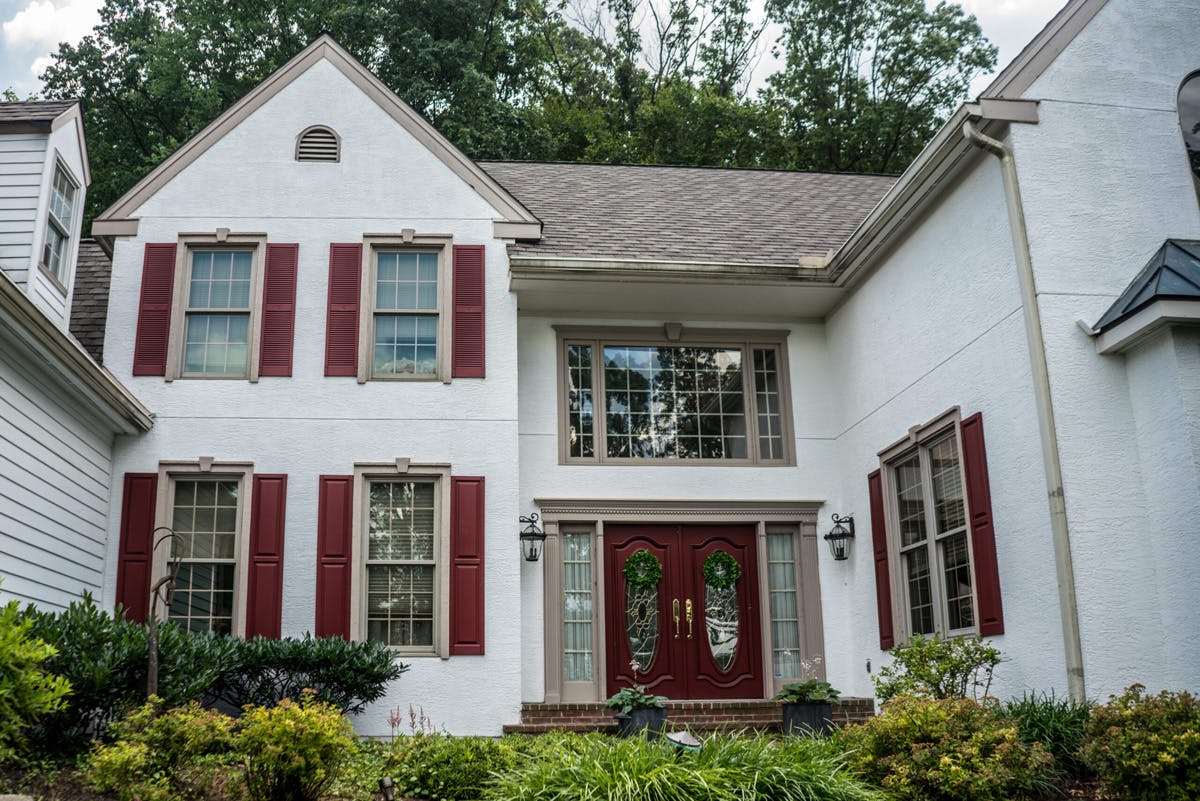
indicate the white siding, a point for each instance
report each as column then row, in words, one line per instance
column 22, row 161
column 62, row 146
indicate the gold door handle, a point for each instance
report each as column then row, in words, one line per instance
column 688, row 612
column 675, row 614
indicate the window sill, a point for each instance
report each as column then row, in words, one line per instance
column 55, row 281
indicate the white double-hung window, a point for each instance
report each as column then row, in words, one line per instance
column 56, row 250
column 217, row 316
column 406, row 314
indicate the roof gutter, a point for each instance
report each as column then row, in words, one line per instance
column 1047, row 430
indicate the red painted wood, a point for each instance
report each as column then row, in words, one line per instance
column 154, row 310
column 883, row 584
column 335, row 498
column 983, row 534
column 341, row 322
column 264, row 595
column 136, row 544
column 468, row 324
column 684, row 667
column 279, row 310
column 466, row 565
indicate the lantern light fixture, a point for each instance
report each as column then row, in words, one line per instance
column 841, row 537
column 532, row 538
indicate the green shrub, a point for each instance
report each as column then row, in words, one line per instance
column 161, row 756
column 726, row 768
column 1146, row 746
column 440, row 767
column 293, row 751
column 813, row 691
column 953, row 749
column 366, row 763
column 958, row 667
column 1056, row 723
column 628, row 699
column 27, row 690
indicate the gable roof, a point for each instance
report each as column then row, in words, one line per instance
column 687, row 214
column 1041, row 51
column 1173, row 273
column 115, row 219
column 89, row 300
column 34, row 111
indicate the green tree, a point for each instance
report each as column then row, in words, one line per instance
column 866, row 83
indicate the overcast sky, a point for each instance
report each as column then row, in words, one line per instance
column 32, row 29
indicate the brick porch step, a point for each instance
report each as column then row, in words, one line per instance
column 759, row 715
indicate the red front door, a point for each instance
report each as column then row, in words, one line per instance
column 683, row 637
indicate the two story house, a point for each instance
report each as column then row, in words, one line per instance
column 369, row 357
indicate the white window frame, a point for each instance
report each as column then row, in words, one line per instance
column 68, row 229
column 402, row 470
column 221, row 239
column 406, row 241
column 919, row 440
column 204, row 469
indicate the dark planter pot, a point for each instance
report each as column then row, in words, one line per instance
column 651, row 721
column 810, row 718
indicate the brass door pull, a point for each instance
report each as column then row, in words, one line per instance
column 675, row 614
column 688, row 608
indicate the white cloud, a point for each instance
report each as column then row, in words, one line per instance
column 45, row 23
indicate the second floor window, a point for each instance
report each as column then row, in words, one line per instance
column 57, row 248
column 217, row 314
column 406, row 294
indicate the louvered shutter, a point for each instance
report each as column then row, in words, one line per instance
column 983, row 534
column 334, row 503
column 264, row 590
column 468, row 326
column 136, row 547
column 466, row 565
column 279, row 310
column 341, row 324
column 154, row 310
column 883, row 584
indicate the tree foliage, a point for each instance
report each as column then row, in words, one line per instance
column 863, row 83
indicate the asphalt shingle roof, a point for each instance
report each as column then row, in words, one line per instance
column 34, row 110
column 89, row 305
column 1173, row 273
column 700, row 214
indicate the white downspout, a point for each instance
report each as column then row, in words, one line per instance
column 1068, row 607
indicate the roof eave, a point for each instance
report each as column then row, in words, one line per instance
column 1134, row 329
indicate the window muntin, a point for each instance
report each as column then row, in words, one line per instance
column 204, row 519
column 929, row 507
column 406, row 314
column 577, row 606
column 401, row 559
column 702, row 402
column 56, row 249
column 217, row 313
column 785, row 607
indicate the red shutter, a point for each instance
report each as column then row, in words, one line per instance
column 883, row 584
column 135, row 548
column 983, row 534
column 468, row 333
column 279, row 310
column 334, row 502
column 264, row 593
column 341, row 324
column 466, row 565
column 154, row 310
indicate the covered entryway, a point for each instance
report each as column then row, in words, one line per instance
column 682, row 615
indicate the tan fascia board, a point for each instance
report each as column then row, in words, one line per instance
column 516, row 229
column 44, row 335
column 1145, row 323
column 75, row 115
column 324, row 47
column 1050, row 42
column 562, row 268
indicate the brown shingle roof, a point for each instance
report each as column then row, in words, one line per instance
column 89, row 305
column 34, row 110
column 701, row 214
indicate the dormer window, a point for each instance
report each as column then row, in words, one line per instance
column 1189, row 120
column 318, row 143
column 57, row 247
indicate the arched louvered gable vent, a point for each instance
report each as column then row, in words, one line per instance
column 318, row 143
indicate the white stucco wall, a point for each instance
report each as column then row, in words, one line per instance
column 307, row 425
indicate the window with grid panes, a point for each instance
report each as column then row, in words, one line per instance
column 56, row 249
column 406, row 314
column 673, row 402
column 401, row 563
column 217, row 313
column 785, row 607
column 204, row 519
column 577, row 606
column 935, row 560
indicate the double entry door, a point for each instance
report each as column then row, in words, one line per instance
column 682, row 611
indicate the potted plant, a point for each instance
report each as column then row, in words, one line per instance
column 808, row 707
column 638, row 711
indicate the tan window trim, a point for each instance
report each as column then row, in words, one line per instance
column 675, row 334
column 918, row 437
column 806, row 552
column 221, row 239
column 411, row 241
column 402, row 469
column 206, row 467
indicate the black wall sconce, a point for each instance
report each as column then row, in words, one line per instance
column 532, row 538
column 840, row 538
